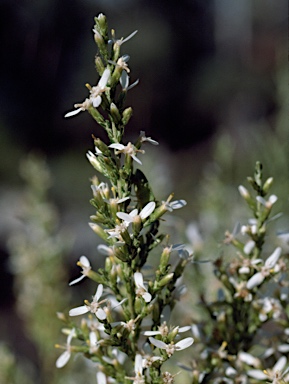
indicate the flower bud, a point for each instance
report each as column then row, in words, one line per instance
column 126, row 115
column 165, row 280
column 99, row 65
column 267, row 185
column 115, row 113
column 99, row 231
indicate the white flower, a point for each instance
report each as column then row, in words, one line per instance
column 267, row 203
column 171, row 348
column 65, row 356
column 80, row 107
column 144, row 213
column 164, row 330
column 141, row 289
column 85, row 265
column 117, row 231
column 93, row 307
column 128, row 149
column 269, row 266
column 149, row 139
column 96, row 91
column 275, row 374
column 171, row 205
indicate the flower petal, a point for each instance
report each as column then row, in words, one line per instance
column 272, row 260
column 147, row 210
column 158, row 343
column 78, row 310
column 255, row 280
column 63, row 359
column 104, row 78
column 185, row 343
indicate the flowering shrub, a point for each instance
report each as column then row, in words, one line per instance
column 125, row 332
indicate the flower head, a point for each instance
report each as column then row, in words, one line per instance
column 141, row 290
column 85, row 265
column 128, row 149
column 93, row 307
column 65, row 356
column 172, row 347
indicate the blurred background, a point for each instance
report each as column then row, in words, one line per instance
column 213, row 91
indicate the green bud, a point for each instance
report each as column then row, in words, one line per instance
column 126, row 115
column 165, row 256
column 99, row 65
column 95, row 277
column 101, row 146
column 172, row 335
column 121, row 255
column 97, row 116
column 138, row 305
column 101, row 22
column 267, row 185
column 136, row 225
column 165, row 280
column 115, row 113
column 99, row 231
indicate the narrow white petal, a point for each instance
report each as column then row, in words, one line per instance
column 63, row 359
column 129, row 37
column 248, row 247
column 255, row 280
column 73, row 113
column 77, row 280
column 98, row 293
column 136, row 159
column 104, row 78
column 257, row 374
column 272, row 260
column 104, row 250
column 117, row 146
column 158, row 343
column 185, row 343
column 124, row 216
column 78, row 310
column 184, row 329
column 147, row 210
column 280, row 365
column 151, row 333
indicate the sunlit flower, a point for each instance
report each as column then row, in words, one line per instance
column 141, row 290
column 65, row 356
column 275, row 374
column 85, row 265
column 96, row 91
column 144, row 213
column 269, row 266
column 93, row 307
column 128, row 149
column 95, row 95
column 171, row 348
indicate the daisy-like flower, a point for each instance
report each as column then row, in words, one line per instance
column 144, row 213
column 97, row 90
column 141, row 290
column 95, row 95
column 128, row 149
column 164, row 330
column 65, row 356
column 138, row 370
column 275, row 374
column 172, row 347
column 85, row 265
column 93, row 307
column 269, row 266
column 117, row 231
